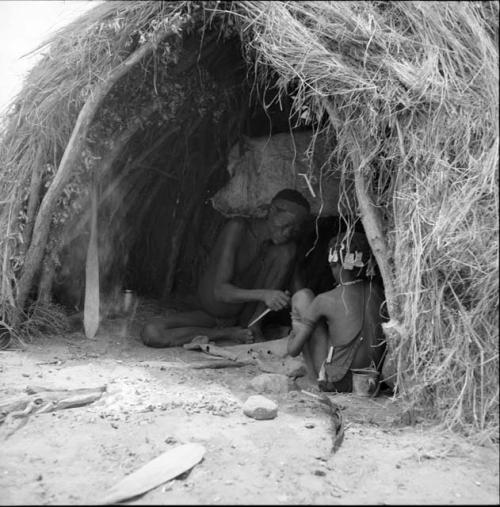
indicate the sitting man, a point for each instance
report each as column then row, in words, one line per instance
column 248, row 269
column 340, row 329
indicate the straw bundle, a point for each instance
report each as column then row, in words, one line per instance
column 411, row 94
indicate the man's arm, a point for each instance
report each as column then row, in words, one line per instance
column 224, row 290
column 303, row 326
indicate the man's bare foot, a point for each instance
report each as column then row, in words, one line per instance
column 242, row 335
column 257, row 333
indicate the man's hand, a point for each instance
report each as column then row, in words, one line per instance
column 276, row 299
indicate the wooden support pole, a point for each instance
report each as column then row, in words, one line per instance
column 180, row 228
column 46, row 279
column 370, row 215
column 372, row 224
column 34, row 197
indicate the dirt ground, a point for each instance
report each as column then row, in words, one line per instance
column 74, row 456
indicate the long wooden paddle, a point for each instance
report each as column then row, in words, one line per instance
column 91, row 305
column 165, row 467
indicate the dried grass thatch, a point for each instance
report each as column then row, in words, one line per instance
column 410, row 92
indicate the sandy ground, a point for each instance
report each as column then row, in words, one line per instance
column 73, row 456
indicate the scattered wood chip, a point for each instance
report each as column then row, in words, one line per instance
column 15, row 410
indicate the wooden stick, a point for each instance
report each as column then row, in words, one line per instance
column 43, row 395
column 372, row 224
column 34, row 197
column 197, row 365
column 16, row 420
column 46, row 278
column 218, row 364
column 39, row 400
column 370, row 216
column 81, row 390
column 336, row 419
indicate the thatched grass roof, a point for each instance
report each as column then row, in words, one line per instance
column 409, row 92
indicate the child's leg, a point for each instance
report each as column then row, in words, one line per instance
column 315, row 349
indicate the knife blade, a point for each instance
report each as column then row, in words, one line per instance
column 263, row 314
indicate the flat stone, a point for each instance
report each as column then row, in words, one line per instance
column 270, row 383
column 260, row 407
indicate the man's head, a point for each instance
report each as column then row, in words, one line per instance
column 349, row 253
column 288, row 211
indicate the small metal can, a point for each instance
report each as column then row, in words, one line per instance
column 127, row 299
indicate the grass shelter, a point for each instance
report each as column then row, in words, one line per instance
column 121, row 134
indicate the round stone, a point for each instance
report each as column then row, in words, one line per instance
column 259, row 407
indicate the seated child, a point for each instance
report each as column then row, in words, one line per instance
column 340, row 329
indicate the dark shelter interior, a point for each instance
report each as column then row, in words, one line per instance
column 156, row 222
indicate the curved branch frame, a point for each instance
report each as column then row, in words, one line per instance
column 69, row 161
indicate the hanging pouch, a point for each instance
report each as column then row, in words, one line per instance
column 337, row 365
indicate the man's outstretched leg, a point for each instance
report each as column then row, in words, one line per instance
column 179, row 328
